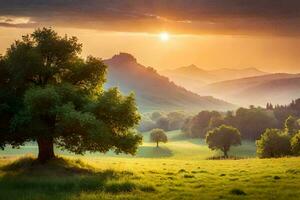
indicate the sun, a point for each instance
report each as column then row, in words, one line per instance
column 164, row 36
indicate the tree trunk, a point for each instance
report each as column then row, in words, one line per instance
column 46, row 151
column 157, row 144
column 225, row 154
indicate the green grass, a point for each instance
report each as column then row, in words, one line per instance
column 178, row 170
column 178, row 147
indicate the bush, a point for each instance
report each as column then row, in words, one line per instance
column 273, row 143
column 295, row 144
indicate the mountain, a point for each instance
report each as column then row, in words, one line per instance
column 193, row 77
column 279, row 88
column 153, row 91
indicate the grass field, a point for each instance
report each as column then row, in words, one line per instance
column 178, row 170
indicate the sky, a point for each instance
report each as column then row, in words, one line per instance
column 208, row 33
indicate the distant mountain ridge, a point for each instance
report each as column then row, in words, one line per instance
column 153, row 91
column 278, row 88
column 193, row 77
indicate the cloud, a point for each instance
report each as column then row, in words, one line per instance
column 12, row 21
column 271, row 17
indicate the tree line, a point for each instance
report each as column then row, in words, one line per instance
column 274, row 128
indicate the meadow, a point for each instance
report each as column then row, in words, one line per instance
column 179, row 169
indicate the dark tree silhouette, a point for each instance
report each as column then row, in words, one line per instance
column 51, row 95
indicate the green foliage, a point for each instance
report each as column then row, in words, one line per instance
column 250, row 122
column 198, row 125
column 273, row 143
column 48, row 92
column 158, row 135
column 253, row 121
column 223, row 138
column 166, row 121
column 295, row 144
column 291, row 125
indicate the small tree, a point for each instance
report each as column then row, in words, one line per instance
column 295, row 144
column 223, row 138
column 158, row 135
column 273, row 143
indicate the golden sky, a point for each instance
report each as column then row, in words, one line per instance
column 208, row 33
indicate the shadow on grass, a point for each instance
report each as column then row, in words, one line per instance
column 154, row 152
column 225, row 158
column 58, row 167
column 60, row 179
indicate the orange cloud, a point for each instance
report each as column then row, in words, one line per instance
column 245, row 17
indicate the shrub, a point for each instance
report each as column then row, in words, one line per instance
column 295, row 144
column 273, row 143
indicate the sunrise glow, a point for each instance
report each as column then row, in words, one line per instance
column 164, row 36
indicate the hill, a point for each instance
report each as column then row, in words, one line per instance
column 153, row 91
column 278, row 88
column 193, row 77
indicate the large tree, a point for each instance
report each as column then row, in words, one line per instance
column 49, row 94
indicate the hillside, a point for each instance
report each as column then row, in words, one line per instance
column 153, row 91
column 193, row 77
column 278, row 88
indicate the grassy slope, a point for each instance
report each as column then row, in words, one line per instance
column 181, row 172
